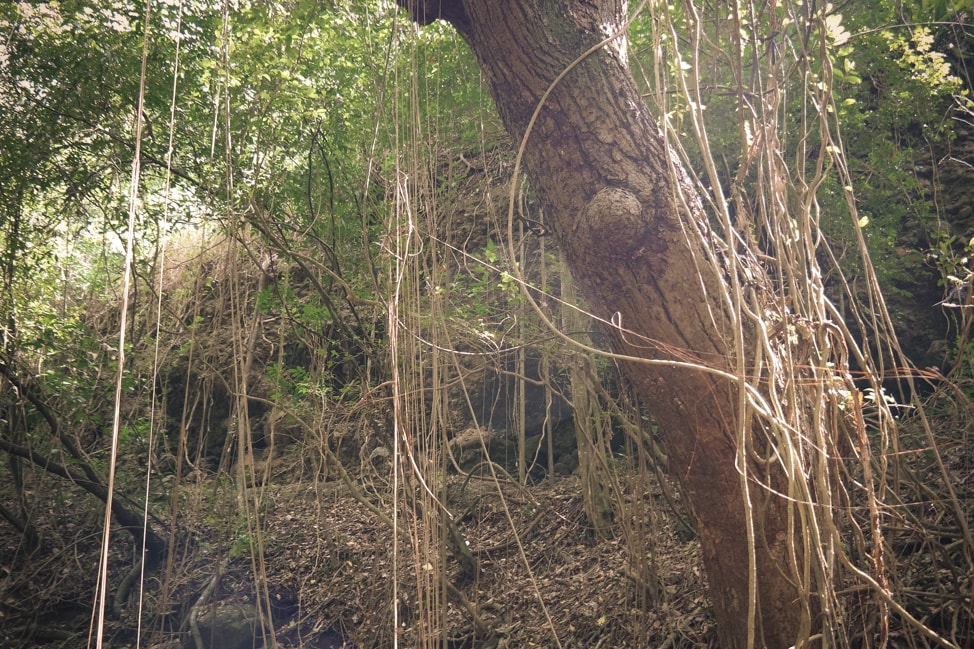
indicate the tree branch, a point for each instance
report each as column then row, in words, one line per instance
column 119, row 139
column 131, row 520
column 88, row 479
column 30, row 393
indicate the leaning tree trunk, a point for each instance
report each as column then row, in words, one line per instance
column 636, row 238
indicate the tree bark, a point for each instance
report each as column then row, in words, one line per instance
column 636, row 238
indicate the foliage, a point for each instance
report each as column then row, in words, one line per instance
column 893, row 84
column 893, row 117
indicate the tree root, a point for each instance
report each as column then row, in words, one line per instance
column 124, row 588
column 201, row 601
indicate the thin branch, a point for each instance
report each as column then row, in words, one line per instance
column 155, row 547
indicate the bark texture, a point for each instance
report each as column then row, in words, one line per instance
column 637, row 240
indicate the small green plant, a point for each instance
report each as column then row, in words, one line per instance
column 243, row 546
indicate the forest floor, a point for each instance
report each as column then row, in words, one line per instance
column 544, row 573
column 328, row 568
column 322, row 562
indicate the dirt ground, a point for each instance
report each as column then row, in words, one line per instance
column 544, row 579
column 322, row 568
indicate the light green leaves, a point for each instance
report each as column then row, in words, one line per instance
column 837, row 33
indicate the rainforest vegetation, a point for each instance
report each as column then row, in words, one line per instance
column 469, row 324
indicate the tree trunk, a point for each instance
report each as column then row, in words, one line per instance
column 637, row 240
